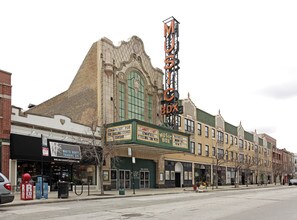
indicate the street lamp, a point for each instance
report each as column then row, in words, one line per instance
column 44, row 151
column 133, row 180
column 132, row 168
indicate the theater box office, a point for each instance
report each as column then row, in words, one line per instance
column 61, row 161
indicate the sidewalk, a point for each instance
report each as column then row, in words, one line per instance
column 53, row 196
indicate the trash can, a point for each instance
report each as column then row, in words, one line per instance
column 63, row 190
column 121, row 191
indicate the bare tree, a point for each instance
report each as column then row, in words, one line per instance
column 218, row 160
column 234, row 161
column 248, row 165
column 98, row 152
column 277, row 169
column 238, row 164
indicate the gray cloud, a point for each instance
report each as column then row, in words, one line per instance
column 281, row 91
column 266, row 129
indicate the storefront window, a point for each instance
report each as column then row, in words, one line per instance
column 84, row 174
column 55, row 172
column 202, row 173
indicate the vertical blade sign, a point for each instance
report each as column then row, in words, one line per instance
column 169, row 105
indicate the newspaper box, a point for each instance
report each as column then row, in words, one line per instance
column 26, row 187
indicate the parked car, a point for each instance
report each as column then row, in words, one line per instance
column 292, row 182
column 6, row 195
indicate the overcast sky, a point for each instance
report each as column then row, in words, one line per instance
column 239, row 57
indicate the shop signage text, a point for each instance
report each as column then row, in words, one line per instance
column 119, row 133
column 169, row 105
column 63, row 150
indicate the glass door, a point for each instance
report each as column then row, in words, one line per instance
column 114, row 178
column 124, row 179
column 144, row 179
column 60, row 173
column 127, row 179
column 56, row 176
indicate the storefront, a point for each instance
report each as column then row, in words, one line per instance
column 220, row 171
column 123, row 171
column 58, row 161
column 202, row 173
column 178, row 174
column 148, row 143
column 230, row 176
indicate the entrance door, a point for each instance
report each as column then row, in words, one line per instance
column 124, row 179
column 242, row 178
column 177, row 179
column 179, row 170
column 60, row 173
column 114, row 178
column 144, row 179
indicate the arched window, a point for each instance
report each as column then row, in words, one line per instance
column 136, row 96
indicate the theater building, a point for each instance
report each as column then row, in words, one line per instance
column 120, row 100
column 119, row 87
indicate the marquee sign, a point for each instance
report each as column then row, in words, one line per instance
column 161, row 137
column 138, row 132
column 170, row 108
column 119, row 133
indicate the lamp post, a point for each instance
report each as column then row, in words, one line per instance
column 133, row 179
column 132, row 168
column 43, row 144
column 212, row 173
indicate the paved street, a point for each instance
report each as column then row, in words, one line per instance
column 262, row 203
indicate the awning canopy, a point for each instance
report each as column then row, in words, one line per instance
column 31, row 148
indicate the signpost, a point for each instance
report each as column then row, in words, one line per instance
column 43, row 152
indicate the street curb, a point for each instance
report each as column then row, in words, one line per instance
column 106, row 196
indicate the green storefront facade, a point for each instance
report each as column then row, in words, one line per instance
column 148, row 144
column 143, row 171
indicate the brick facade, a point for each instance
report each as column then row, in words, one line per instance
column 93, row 92
column 5, row 120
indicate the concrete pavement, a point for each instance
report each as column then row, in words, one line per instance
column 93, row 195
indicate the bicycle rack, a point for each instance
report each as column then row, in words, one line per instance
column 81, row 191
